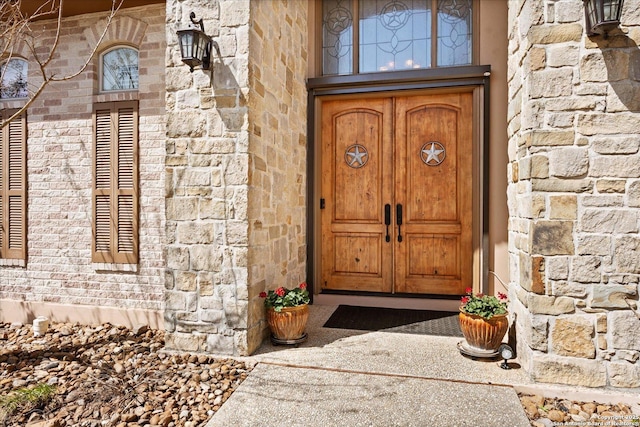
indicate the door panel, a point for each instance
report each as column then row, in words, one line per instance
column 413, row 151
column 356, row 179
column 435, row 256
column 359, row 255
column 358, row 190
column 429, row 188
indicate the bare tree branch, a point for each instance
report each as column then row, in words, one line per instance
column 17, row 35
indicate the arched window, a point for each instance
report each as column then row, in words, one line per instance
column 365, row 36
column 119, row 67
column 14, row 79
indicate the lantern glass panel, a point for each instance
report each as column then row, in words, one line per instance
column 611, row 10
column 202, row 40
column 591, row 14
column 186, row 43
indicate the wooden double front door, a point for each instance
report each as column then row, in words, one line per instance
column 396, row 194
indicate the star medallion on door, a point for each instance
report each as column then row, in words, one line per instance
column 356, row 156
column 434, row 155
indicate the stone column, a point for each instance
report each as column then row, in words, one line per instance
column 235, row 167
column 278, row 55
column 207, row 184
column 574, row 235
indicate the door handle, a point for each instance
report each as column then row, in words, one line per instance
column 387, row 220
column 399, row 221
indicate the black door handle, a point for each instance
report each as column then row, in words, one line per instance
column 399, row 221
column 387, row 220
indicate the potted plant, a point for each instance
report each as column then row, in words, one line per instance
column 287, row 313
column 483, row 322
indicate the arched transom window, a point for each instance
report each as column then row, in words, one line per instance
column 119, row 69
column 13, row 79
column 395, row 35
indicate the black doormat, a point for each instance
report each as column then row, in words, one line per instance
column 424, row 322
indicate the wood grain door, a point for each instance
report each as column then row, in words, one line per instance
column 357, row 182
column 396, row 207
column 434, row 155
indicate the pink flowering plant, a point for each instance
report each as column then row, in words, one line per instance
column 283, row 297
column 485, row 306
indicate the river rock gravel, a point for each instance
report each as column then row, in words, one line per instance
column 110, row 376
column 547, row 412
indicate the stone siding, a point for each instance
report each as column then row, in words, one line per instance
column 278, row 151
column 235, row 172
column 59, row 270
column 574, row 238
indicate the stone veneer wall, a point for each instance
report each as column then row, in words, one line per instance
column 59, row 270
column 235, row 172
column 277, row 151
column 574, row 194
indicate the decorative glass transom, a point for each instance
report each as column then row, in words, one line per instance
column 13, row 79
column 120, row 69
column 395, row 35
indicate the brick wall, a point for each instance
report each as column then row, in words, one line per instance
column 574, row 237
column 59, row 269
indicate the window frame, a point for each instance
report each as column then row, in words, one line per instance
column 114, row 192
column 355, row 54
column 101, row 69
column 7, row 224
column 26, row 64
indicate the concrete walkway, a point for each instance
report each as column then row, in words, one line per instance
column 275, row 395
column 356, row 378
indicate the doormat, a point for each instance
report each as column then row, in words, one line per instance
column 423, row 322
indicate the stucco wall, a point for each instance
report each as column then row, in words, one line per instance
column 59, row 270
column 493, row 52
column 574, row 238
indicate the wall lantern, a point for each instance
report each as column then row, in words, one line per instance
column 195, row 45
column 601, row 16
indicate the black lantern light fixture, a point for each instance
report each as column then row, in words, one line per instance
column 195, row 45
column 601, row 16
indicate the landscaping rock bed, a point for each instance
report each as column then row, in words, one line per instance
column 547, row 412
column 109, row 376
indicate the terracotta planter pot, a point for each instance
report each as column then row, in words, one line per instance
column 481, row 333
column 287, row 326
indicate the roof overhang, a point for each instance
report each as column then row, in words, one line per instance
column 75, row 7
